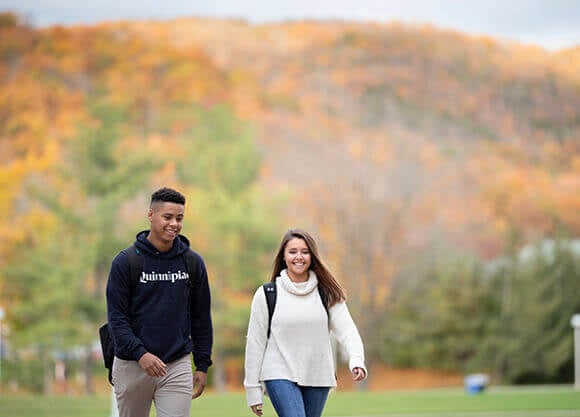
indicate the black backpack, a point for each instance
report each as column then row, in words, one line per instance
column 136, row 265
column 271, row 293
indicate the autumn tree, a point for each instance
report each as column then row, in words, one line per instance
column 231, row 220
column 61, row 302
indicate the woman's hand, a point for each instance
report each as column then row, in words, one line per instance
column 257, row 409
column 358, row 374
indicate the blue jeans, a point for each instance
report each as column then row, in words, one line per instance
column 292, row 400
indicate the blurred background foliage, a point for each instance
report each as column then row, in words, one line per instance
column 440, row 173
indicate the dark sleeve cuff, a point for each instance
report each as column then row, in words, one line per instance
column 140, row 351
column 203, row 367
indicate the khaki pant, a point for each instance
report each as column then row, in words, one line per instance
column 135, row 390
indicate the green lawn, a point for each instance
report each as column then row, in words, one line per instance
column 496, row 402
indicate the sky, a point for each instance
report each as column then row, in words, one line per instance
column 552, row 24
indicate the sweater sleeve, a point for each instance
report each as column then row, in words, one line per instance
column 118, row 295
column 256, row 341
column 347, row 335
column 201, row 321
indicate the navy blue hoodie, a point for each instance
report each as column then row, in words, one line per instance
column 151, row 315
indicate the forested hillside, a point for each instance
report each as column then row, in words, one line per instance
column 420, row 158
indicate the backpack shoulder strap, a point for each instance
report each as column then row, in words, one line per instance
column 323, row 298
column 191, row 265
column 135, row 263
column 270, row 292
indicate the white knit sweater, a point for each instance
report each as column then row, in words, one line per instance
column 299, row 348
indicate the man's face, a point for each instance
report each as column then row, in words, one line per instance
column 166, row 221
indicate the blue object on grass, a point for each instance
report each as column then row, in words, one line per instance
column 476, row 383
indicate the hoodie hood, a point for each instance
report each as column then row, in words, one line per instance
column 180, row 246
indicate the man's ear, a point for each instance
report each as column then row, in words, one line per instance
column 150, row 214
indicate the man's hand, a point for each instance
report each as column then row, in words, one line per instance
column 199, row 381
column 152, row 365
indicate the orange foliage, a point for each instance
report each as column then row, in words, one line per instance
column 441, row 131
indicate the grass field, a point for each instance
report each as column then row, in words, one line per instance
column 496, row 402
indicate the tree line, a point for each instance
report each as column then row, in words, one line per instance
column 423, row 220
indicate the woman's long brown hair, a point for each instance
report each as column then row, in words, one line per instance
column 331, row 288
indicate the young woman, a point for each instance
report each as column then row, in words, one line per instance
column 295, row 362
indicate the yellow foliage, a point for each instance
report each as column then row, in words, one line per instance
column 305, row 82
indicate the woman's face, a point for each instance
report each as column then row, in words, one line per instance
column 297, row 258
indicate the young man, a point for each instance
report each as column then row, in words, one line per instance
column 158, row 321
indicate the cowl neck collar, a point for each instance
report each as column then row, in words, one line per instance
column 298, row 288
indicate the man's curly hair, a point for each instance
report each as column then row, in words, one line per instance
column 167, row 195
